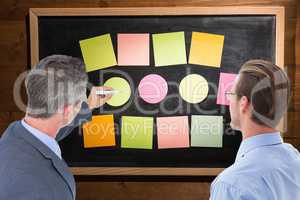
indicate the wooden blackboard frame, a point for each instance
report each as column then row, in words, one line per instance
column 277, row 11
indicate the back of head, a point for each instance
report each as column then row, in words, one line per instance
column 55, row 82
column 267, row 88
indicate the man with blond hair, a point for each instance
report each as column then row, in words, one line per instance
column 265, row 166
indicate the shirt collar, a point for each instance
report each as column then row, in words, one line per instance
column 265, row 139
column 44, row 138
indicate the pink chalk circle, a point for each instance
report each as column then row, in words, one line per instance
column 153, row 88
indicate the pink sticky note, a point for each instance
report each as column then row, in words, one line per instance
column 225, row 84
column 173, row 132
column 153, row 88
column 133, row 49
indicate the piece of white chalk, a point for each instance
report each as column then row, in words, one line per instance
column 105, row 92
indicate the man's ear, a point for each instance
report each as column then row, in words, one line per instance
column 66, row 110
column 244, row 104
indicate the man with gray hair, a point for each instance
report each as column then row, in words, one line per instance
column 31, row 163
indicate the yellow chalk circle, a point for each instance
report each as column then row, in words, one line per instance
column 124, row 92
column 193, row 88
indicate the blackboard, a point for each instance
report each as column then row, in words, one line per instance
column 247, row 36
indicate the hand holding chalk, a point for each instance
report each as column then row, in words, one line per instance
column 106, row 92
column 99, row 96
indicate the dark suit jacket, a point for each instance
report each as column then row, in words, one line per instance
column 29, row 170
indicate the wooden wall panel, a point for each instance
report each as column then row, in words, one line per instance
column 14, row 60
column 297, row 71
column 143, row 190
column 13, row 44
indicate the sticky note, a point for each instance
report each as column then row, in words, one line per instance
column 98, row 52
column 122, row 88
column 153, row 88
column 226, row 82
column 193, row 88
column 137, row 132
column 133, row 49
column 206, row 131
column 206, row 49
column 169, row 49
column 99, row 132
column 173, row 132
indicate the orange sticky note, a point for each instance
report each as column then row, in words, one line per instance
column 173, row 132
column 206, row 49
column 99, row 132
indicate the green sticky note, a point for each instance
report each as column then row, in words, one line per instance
column 98, row 52
column 169, row 49
column 207, row 131
column 137, row 132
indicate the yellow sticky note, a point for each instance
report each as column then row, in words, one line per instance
column 206, row 49
column 98, row 52
column 99, row 132
column 169, row 49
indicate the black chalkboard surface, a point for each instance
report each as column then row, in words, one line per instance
column 247, row 36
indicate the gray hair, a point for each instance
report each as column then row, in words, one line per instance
column 55, row 82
